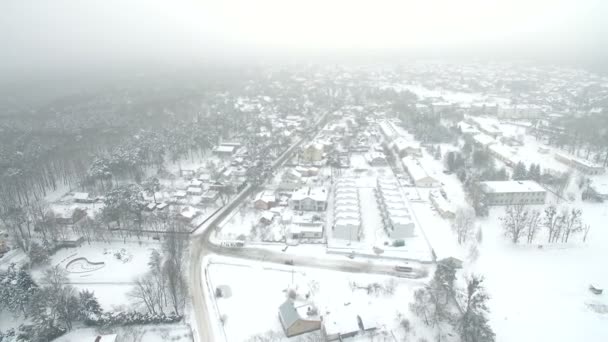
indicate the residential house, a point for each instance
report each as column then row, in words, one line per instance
column 376, row 158
column 443, row 206
column 265, row 200
column 295, row 322
column 69, row 215
column 224, row 151
column 210, row 196
column 194, row 191
column 313, row 152
column 291, row 180
column 312, row 230
column 83, row 197
column 267, row 217
column 309, row 199
column 105, row 338
column 341, row 324
column 403, row 147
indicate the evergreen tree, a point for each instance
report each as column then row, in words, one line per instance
column 473, row 324
column 88, row 305
column 519, row 172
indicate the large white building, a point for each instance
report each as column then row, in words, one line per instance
column 579, row 164
column 396, row 217
column 513, row 192
column 347, row 211
column 419, row 176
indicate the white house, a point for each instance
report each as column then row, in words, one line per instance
column 305, row 231
column 309, row 199
column 291, row 180
column 376, row 158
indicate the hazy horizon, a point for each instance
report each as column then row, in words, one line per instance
column 56, row 37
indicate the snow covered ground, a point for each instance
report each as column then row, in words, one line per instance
column 112, row 280
column 542, row 294
column 148, row 333
column 257, row 290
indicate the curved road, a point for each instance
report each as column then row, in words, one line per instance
column 202, row 246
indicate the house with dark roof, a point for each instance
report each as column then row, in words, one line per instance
column 293, row 321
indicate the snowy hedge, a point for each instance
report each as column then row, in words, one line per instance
column 131, row 318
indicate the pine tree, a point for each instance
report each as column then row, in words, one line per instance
column 519, row 172
column 473, row 324
column 88, row 305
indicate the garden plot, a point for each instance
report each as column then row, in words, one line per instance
column 252, row 306
column 108, row 270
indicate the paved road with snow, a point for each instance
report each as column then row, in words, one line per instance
column 202, row 246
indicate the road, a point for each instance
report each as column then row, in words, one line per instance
column 202, row 246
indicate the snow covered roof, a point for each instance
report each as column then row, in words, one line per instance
column 106, row 338
column 289, row 314
column 347, row 222
column 340, row 322
column 511, row 186
column 266, row 196
column 225, row 149
column 81, row 195
column 316, row 194
column 484, row 139
column 307, row 228
column 414, row 169
column 579, row 161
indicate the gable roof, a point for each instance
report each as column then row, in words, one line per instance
column 289, row 314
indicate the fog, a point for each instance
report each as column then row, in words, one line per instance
column 59, row 35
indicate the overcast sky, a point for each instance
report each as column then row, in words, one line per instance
column 41, row 34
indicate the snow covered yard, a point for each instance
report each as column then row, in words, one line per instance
column 148, row 333
column 106, row 269
column 255, row 291
column 543, row 294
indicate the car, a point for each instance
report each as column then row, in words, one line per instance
column 351, row 255
column 289, row 262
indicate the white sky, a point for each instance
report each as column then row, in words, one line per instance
column 56, row 31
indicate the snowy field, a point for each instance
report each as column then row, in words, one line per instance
column 542, row 294
column 156, row 333
column 97, row 267
column 251, row 308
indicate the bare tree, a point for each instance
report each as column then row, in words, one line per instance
column 174, row 247
column 146, row 292
column 532, row 225
column 586, row 229
column 514, row 221
column 572, row 224
column 551, row 221
column 463, row 223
